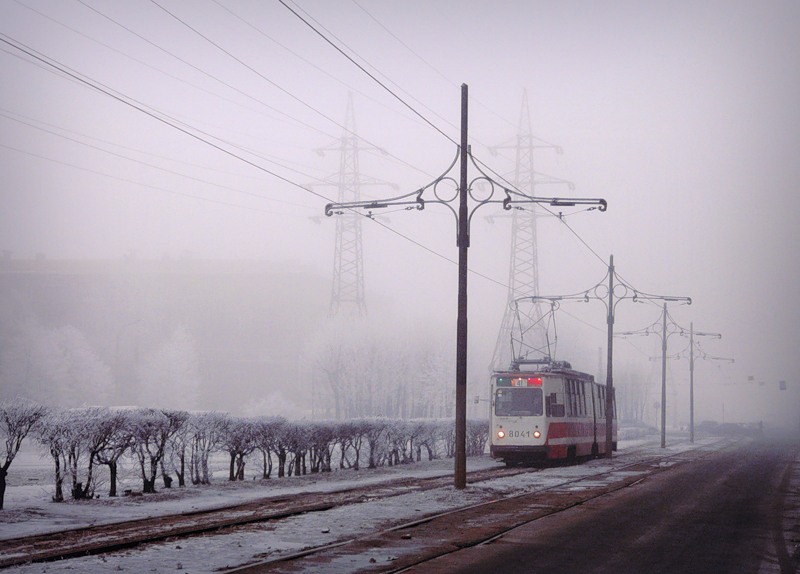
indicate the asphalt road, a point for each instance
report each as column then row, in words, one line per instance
column 718, row 515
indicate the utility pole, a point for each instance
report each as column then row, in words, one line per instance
column 691, row 382
column 664, row 377
column 463, row 215
column 610, row 360
column 460, row 473
column 692, row 335
column 663, row 329
column 610, row 294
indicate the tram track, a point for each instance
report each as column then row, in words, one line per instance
column 402, row 546
column 116, row 536
column 107, row 538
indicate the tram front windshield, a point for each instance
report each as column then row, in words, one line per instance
column 511, row 401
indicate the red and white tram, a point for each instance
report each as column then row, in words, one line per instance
column 551, row 412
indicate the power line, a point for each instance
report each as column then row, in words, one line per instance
column 96, row 172
column 129, row 56
column 165, row 119
column 131, row 103
column 273, row 83
column 426, row 62
column 161, row 117
column 324, row 72
column 205, row 73
column 368, row 73
column 75, row 79
column 363, row 59
column 115, row 154
column 419, row 114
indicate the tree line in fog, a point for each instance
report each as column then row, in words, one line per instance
column 176, row 445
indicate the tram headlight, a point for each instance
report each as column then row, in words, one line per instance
column 501, row 434
column 537, row 434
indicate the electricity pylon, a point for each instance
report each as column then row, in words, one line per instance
column 347, row 293
column 525, row 324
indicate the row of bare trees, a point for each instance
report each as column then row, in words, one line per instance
column 177, row 445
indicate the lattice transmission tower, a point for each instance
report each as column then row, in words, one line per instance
column 347, row 293
column 523, row 330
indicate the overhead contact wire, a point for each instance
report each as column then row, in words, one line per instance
column 368, row 73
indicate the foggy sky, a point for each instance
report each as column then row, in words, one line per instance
column 682, row 115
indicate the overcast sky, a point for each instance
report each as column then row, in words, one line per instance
column 682, row 115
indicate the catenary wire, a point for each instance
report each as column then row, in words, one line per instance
column 303, row 187
column 151, row 165
column 368, row 73
column 142, row 108
column 131, row 103
column 318, row 32
column 328, row 74
column 157, row 188
column 270, row 81
column 205, row 73
column 388, row 79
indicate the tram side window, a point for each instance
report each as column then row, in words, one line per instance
column 553, row 407
column 614, row 405
column 576, row 405
column 568, row 397
column 576, row 399
column 601, row 407
column 518, row 402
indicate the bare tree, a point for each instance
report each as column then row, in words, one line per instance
column 151, row 431
column 296, row 442
column 267, row 432
column 349, row 436
column 429, row 439
column 52, row 433
column 175, row 454
column 77, row 440
column 207, row 431
column 323, row 439
column 375, row 430
column 477, row 437
column 120, row 440
column 239, row 441
column 17, row 419
column 92, row 431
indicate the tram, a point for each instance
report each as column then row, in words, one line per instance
column 547, row 411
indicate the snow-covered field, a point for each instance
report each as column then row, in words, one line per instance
column 29, row 511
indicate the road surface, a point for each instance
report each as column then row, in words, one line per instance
column 721, row 514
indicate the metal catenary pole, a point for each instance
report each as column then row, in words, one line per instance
column 610, row 362
column 463, row 214
column 692, row 335
column 617, row 290
column 691, row 382
column 660, row 328
column 664, row 377
column 460, row 472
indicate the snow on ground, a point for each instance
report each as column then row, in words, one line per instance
column 29, row 511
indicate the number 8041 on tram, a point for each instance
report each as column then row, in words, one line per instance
column 550, row 413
